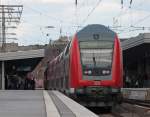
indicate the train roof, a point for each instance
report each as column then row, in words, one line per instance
column 96, row 32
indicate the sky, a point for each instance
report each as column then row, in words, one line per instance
column 64, row 15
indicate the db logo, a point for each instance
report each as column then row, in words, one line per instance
column 97, row 83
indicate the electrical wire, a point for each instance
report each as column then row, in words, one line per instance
column 46, row 15
column 133, row 25
column 139, row 21
column 89, row 14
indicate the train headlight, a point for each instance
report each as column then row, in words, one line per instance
column 105, row 72
column 85, row 72
column 89, row 72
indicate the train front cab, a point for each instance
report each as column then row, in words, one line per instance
column 96, row 66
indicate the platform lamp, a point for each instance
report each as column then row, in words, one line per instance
column 50, row 40
column 49, row 27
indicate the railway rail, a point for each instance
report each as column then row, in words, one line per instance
column 111, row 115
column 138, row 102
column 128, row 110
column 106, row 112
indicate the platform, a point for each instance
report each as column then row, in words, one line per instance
column 40, row 103
column 141, row 94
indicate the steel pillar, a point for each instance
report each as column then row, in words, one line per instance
column 3, row 75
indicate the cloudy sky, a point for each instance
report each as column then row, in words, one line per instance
column 64, row 15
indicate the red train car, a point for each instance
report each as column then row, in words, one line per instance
column 90, row 68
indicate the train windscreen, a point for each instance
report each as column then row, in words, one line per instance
column 96, row 59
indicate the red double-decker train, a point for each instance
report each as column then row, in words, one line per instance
column 90, row 68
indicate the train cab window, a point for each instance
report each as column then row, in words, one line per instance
column 96, row 57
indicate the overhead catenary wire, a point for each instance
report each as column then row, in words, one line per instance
column 49, row 16
column 133, row 26
column 122, row 3
column 141, row 20
column 52, row 18
column 124, row 10
column 70, row 23
column 89, row 14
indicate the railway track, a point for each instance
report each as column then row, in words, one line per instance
column 137, row 102
column 128, row 110
column 111, row 115
column 116, row 114
column 135, row 110
column 106, row 112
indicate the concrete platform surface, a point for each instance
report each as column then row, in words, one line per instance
column 40, row 103
column 22, row 104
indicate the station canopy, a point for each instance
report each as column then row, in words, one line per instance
column 136, row 50
column 21, row 55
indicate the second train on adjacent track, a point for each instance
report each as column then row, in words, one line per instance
column 90, row 68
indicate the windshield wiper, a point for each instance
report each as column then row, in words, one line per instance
column 94, row 61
